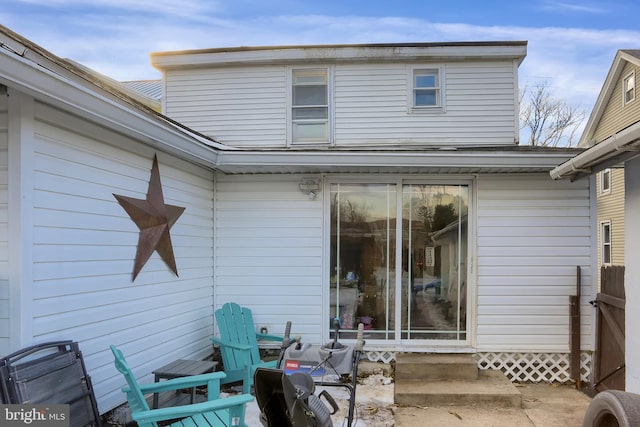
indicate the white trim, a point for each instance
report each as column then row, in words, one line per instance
column 625, row 79
column 605, row 223
column 21, row 138
column 330, row 106
column 440, row 106
column 603, row 173
column 398, row 344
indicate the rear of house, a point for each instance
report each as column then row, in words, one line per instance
column 384, row 184
column 380, row 184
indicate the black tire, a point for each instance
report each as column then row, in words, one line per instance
column 613, row 408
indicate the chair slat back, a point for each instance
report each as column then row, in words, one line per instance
column 235, row 324
column 136, row 399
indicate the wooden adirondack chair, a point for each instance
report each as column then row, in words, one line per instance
column 215, row 412
column 238, row 344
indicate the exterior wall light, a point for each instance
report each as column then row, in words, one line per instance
column 310, row 187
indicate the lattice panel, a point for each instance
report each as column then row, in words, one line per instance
column 518, row 367
column 535, row 367
column 380, row 356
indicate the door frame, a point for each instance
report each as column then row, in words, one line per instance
column 397, row 344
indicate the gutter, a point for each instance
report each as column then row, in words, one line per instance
column 615, row 149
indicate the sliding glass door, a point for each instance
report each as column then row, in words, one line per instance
column 398, row 258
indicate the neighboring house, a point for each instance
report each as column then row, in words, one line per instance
column 615, row 110
column 317, row 182
column 613, row 135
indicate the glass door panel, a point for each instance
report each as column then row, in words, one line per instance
column 363, row 259
column 434, row 268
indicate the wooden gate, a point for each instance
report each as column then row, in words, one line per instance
column 609, row 367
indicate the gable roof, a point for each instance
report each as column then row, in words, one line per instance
column 613, row 151
column 622, row 57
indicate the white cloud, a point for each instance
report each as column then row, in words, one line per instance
column 573, row 61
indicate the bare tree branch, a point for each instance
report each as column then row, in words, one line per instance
column 551, row 122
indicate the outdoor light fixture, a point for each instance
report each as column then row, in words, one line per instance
column 310, row 187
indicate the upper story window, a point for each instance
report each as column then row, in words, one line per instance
column 426, row 88
column 629, row 88
column 605, row 181
column 310, row 105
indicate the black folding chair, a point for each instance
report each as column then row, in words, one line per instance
column 50, row 373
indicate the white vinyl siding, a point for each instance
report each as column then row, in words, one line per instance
column 269, row 252
column 4, row 227
column 247, row 106
column 532, row 233
column 85, row 245
column 371, row 106
column 236, row 106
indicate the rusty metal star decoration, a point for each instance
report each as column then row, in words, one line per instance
column 154, row 218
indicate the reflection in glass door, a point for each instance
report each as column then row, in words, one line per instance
column 427, row 273
column 434, row 253
column 363, row 242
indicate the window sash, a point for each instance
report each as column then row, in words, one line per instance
column 426, row 88
column 310, row 105
column 629, row 88
column 605, row 239
column 605, row 181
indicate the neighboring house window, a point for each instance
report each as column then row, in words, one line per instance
column 629, row 88
column 605, row 242
column 605, row 181
column 426, row 88
column 310, row 105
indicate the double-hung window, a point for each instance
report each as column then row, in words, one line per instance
column 310, row 106
column 605, row 242
column 605, row 181
column 629, row 88
column 426, row 88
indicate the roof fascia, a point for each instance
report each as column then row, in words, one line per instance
column 62, row 91
column 339, row 53
column 392, row 159
column 586, row 139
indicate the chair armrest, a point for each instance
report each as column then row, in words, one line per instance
column 183, row 382
column 222, row 343
column 267, row 337
column 155, row 415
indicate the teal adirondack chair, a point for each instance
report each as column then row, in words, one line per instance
column 238, row 344
column 215, row 412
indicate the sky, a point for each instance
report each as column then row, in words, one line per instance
column 571, row 43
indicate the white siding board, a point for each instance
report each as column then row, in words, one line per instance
column 85, row 244
column 215, row 102
column 265, row 222
column 529, row 245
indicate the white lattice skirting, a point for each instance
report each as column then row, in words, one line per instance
column 520, row 367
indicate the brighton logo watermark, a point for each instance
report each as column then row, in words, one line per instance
column 39, row 415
